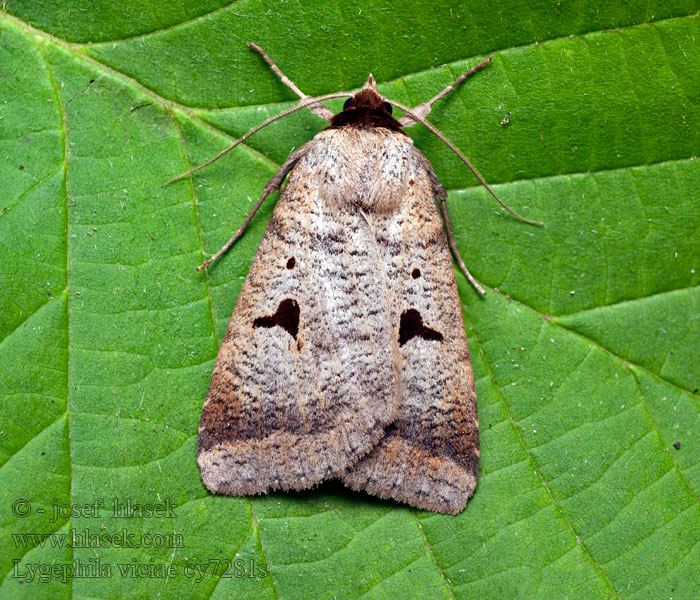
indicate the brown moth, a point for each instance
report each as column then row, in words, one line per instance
column 346, row 354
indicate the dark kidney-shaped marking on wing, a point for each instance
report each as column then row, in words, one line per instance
column 287, row 317
column 412, row 326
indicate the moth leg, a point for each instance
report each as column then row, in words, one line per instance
column 318, row 109
column 423, row 109
column 271, row 186
column 441, row 195
column 453, row 247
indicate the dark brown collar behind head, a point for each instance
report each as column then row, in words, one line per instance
column 366, row 109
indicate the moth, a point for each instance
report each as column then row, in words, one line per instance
column 346, row 354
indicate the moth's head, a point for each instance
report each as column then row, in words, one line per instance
column 366, row 108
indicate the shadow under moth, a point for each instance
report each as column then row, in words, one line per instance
column 346, row 354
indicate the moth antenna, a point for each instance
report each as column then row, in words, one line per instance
column 304, row 104
column 424, row 108
column 463, row 158
column 318, row 109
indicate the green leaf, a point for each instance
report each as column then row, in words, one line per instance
column 585, row 348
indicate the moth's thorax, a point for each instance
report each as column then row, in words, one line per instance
column 369, row 167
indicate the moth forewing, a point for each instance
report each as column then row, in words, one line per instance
column 306, row 378
column 429, row 455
